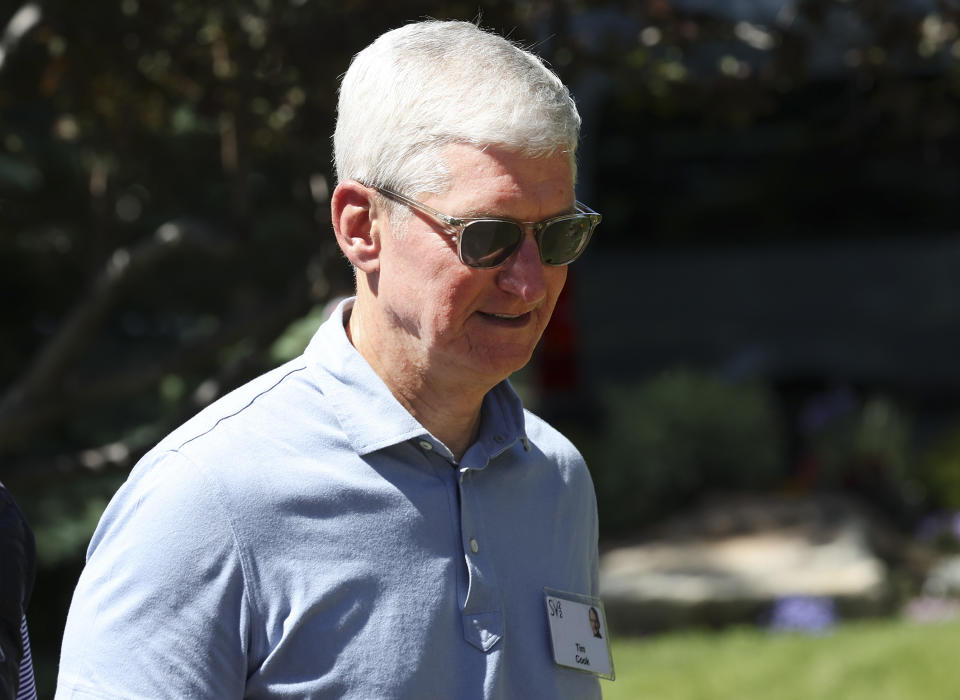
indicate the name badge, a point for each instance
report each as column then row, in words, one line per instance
column 578, row 632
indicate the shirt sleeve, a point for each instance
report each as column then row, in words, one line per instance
column 26, row 685
column 160, row 610
column 17, row 568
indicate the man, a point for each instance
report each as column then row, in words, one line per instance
column 18, row 568
column 379, row 517
column 595, row 623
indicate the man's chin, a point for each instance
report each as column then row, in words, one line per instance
column 500, row 366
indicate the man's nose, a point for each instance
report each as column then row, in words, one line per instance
column 522, row 274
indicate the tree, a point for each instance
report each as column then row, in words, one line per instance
column 164, row 173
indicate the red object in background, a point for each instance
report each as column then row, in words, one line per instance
column 557, row 367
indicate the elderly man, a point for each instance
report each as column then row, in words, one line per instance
column 378, row 518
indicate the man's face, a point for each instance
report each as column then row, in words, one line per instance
column 594, row 623
column 455, row 323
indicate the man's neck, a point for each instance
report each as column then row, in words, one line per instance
column 450, row 411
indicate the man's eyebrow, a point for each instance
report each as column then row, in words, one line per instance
column 477, row 214
column 485, row 214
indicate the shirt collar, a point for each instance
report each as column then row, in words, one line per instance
column 371, row 416
column 501, row 427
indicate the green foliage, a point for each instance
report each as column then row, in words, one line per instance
column 864, row 661
column 940, row 471
column 164, row 179
column 878, row 433
column 870, row 451
column 295, row 338
column 678, row 435
column 683, row 434
column 64, row 514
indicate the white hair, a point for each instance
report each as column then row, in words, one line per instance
column 424, row 86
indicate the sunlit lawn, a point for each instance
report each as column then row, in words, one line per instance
column 857, row 661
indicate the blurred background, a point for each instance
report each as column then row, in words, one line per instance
column 758, row 355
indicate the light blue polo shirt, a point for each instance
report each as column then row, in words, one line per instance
column 306, row 537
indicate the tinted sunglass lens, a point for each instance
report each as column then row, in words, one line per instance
column 489, row 243
column 562, row 241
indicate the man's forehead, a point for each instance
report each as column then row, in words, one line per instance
column 494, row 156
column 480, row 178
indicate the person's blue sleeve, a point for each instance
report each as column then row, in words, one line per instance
column 161, row 610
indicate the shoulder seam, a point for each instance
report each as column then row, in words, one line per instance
column 237, row 411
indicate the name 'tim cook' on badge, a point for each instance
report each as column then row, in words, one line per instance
column 578, row 631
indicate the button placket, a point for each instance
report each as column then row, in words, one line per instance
column 482, row 609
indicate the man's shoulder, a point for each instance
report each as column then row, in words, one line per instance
column 540, row 431
column 232, row 456
column 563, row 472
column 253, row 431
column 556, row 446
column 275, row 398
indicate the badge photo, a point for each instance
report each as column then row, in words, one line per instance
column 578, row 633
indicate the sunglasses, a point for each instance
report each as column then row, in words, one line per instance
column 486, row 242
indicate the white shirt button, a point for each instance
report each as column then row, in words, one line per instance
column 425, row 445
column 474, row 547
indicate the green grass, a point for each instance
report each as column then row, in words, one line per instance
column 859, row 661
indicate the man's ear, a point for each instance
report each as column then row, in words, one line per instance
column 357, row 224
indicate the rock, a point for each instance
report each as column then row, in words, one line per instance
column 730, row 560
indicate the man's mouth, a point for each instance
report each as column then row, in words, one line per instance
column 509, row 319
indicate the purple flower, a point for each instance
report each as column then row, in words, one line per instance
column 938, row 525
column 808, row 614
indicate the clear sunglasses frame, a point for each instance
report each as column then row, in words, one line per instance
column 454, row 227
